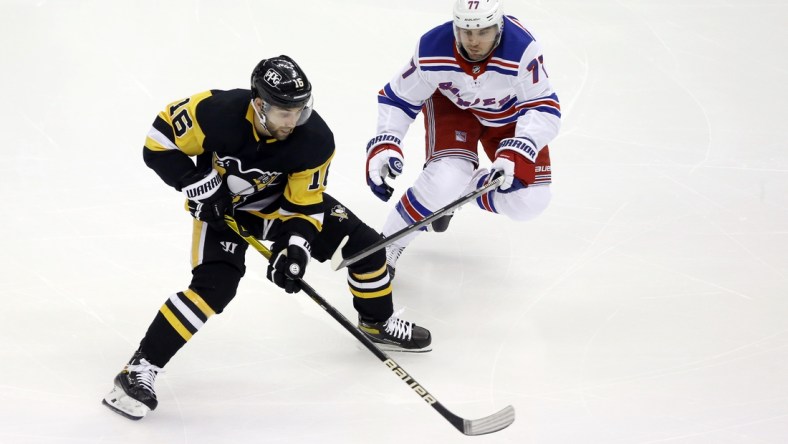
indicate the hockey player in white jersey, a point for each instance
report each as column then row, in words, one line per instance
column 479, row 78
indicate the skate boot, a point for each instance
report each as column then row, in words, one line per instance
column 395, row 334
column 133, row 395
column 441, row 224
column 393, row 252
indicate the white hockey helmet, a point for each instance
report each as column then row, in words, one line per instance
column 478, row 14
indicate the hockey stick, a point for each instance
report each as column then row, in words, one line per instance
column 338, row 261
column 472, row 427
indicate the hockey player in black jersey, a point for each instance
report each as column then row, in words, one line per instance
column 263, row 156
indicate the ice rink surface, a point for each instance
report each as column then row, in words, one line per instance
column 649, row 304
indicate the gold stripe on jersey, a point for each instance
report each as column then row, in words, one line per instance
column 314, row 219
column 215, row 165
column 261, row 215
column 198, row 241
column 304, row 194
column 251, row 116
column 370, row 285
column 371, row 294
column 176, row 127
column 306, row 187
column 175, row 322
column 186, row 312
column 199, row 302
column 370, row 275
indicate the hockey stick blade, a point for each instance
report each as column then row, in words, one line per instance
column 338, row 261
column 489, row 424
column 470, row 427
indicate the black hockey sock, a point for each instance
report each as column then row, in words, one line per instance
column 372, row 294
column 181, row 316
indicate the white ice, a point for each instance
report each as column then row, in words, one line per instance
column 649, row 304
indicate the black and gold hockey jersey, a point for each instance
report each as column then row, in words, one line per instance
column 269, row 178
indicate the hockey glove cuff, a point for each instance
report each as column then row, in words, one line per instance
column 209, row 200
column 509, row 151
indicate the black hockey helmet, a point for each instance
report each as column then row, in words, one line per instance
column 279, row 81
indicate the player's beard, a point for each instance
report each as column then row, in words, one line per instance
column 479, row 52
column 281, row 133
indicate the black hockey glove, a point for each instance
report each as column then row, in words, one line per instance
column 209, row 200
column 288, row 261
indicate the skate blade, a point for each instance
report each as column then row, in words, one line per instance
column 396, row 349
column 119, row 402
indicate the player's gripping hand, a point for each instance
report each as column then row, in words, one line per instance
column 209, row 200
column 384, row 159
column 502, row 165
column 288, row 261
column 509, row 152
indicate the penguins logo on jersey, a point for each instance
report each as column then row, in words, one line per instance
column 340, row 212
column 243, row 183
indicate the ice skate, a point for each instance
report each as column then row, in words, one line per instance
column 393, row 253
column 133, row 395
column 395, row 334
column 441, row 224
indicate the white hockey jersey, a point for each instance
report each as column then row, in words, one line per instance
column 511, row 85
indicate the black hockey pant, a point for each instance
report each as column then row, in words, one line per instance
column 218, row 261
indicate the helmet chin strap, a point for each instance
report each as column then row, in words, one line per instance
column 261, row 118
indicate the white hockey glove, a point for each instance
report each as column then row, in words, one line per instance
column 384, row 159
column 509, row 152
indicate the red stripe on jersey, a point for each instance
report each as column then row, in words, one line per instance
column 410, row 209
column 495, row 115
column 547, row 102
column 438, row 62
column 489, row 115
column 382, row 147
column 504, row 63
column 486, row 202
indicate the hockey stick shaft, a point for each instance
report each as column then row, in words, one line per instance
column 489, row 424
column 338, row 262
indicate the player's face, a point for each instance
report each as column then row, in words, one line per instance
column 282, row 121
column 478, row 42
